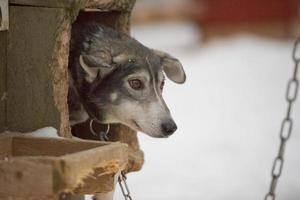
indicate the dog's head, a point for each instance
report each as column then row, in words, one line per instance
column 123, row 82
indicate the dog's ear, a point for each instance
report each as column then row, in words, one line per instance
column 172, row 67
column 99, row 66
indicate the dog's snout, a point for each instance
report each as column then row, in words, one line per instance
column 168, row 128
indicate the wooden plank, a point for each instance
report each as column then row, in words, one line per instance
column 110, row 5
column 28, row 146
column 4, row 18
column 23, row 179
column 93, row 184
column 120, row 5
column 48, row 3
column 5, row 148
column 117, row 133
column 32, row 36
column 79, row 168
column 110, row 159
column 3, row 52
column 33, row 198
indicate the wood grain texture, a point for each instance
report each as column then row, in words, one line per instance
column 59, row 68
column 3, row 52
column 23, row 176
column 33, row 198
column 5, row 147
column 117, row 133
column 94, row 184
column 48, row 3
column 61, row 166
column 30, row 103
column 111, row 5
column 107, row 5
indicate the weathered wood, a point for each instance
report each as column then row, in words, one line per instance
column 119, row 133
column 110, row 5
column 33, row 198
column 48, row 3
column 5, row 148
column 59, row 68
column 21, row 178
column 126, row 135
column 30, row 103
column 4, row 18
column 3, row 53
column 47, row 166
column 94, row 184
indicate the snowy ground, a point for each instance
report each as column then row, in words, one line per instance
column 228, row 114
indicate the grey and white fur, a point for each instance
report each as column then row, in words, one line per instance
column 116, row 79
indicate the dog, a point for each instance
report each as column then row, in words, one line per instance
column 116, row 79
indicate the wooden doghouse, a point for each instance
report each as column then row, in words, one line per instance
column 34, row 47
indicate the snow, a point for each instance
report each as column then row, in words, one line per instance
column 45, row 132
column 228, row 113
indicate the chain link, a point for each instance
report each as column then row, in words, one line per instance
column 124, row 187
column 287, row 123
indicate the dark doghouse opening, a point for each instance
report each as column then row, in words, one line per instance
column 1, row 16
column 106, row 18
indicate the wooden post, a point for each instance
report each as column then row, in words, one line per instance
column 30, row 77
column 3, row 53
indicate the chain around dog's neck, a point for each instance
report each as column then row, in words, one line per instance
column 103, row 135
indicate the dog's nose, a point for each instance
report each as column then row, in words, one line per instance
column 168, row 128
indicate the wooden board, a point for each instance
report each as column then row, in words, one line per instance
column 30, row 103
column 57, row 165
column 47, row 3
column 121, row 5
column 3, row 44
column 117, row 133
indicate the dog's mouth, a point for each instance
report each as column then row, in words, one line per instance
column 137, row 126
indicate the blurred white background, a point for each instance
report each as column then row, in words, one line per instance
column 228, row 113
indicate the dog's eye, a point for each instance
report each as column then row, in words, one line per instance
column 162, row 85
column 136, row 84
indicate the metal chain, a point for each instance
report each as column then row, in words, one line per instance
column 287, row 123
column 103, row 135
column 124, row 187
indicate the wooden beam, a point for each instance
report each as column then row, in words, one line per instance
column 61, row 166
column 3, row 94
column 48, row 3
column 121, row 5
column 19, row 178
column 117, row 133
column 30, row 103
